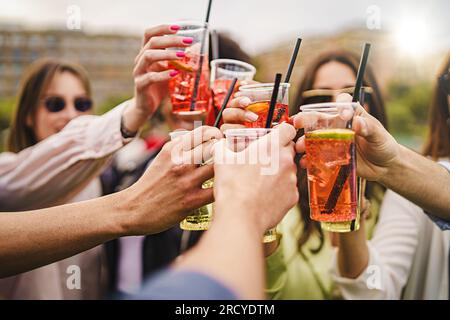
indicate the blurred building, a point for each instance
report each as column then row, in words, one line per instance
column 108, row 58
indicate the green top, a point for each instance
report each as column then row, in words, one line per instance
column 294, row 274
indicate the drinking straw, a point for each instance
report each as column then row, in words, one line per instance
column 361, row 70
column 273, row 100
column 200, row 63
column 225, row 102
column 344, row 171
column 291, row 65
column 214, row 44
column 362, row 183
column 293, row 58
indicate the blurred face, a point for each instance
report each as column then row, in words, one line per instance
column 58, row 105
column 335, row 75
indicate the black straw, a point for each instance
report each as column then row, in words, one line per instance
column 273, row 100
column 225, row 102
column 198, row 74
column 293, row 59
column 208, row 11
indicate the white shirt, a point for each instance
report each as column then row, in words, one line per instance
column 408, row 257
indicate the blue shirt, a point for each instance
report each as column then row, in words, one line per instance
column 182, row 285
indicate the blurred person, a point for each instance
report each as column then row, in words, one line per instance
column 410, row 252
column 132, row 259
column 298, row 263
column 54, row 160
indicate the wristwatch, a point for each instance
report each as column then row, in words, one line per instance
column 125, row 132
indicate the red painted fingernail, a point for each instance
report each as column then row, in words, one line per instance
column 180, row 54
column 173, row 73
column 175, row 27
column 188, row 40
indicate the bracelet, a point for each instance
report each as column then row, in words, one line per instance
column 125, row 132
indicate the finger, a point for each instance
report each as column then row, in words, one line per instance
column 200, row 154
column 160, row 30
column 344, row 97
column 201, row 197
column 222, row 154
column 165, row 42
column 151, row 56
column 300, row 145
column 237, row 115
column 286, row 133
column 240, row 102
column 291, row 149
column 169, row 42
column 145, row 80
column 228, row 126
column 202, row 174
column 198, row 136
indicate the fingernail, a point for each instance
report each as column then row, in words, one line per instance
column 245, row 101
column 188, row 40
column 180, row 54
column 175, row 27
column 250, row 116
column 173, row 73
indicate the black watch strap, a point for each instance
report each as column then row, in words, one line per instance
column 125, row 132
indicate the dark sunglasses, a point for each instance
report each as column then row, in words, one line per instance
column 328, row 95
column 444, row 83
column 57, row 104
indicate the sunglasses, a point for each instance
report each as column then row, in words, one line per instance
column 57, row 104
column 444, row 83
column 328, row 95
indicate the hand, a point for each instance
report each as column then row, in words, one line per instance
column 167, row 192
column 151, row 73
column 264, row 199
column 235, row 114
column 376, row 148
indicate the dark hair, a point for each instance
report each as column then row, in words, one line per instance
column 376, row 109
column 438, row 141
column 229, row 49
column 34, row 83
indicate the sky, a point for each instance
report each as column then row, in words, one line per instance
column 256, row 24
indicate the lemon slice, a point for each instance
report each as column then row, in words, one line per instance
column 340, row 134
column 181, row 66
column 258, row 107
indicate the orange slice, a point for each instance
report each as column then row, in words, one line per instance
column 181, row 66
column 258, row 107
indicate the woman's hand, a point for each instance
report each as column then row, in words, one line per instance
column 151, row 73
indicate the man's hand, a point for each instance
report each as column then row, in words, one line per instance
column 168, row 191
column 264, row 199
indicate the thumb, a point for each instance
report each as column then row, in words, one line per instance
column 222, row 153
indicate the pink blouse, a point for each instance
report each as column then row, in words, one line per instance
column 59, row 167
